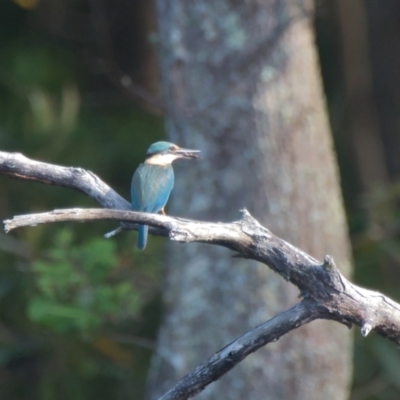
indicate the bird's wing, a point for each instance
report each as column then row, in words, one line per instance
column 136, row 188
column 151, row 186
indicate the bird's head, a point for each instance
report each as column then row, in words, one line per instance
column 163, row 153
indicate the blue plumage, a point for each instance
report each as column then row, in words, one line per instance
column 153, row 181
column 150, row 190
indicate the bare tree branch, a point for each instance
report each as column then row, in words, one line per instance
column 17, row 166
column 322, row 282
column 225, row 359
column 325, row 291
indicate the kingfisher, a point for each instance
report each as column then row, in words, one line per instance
column 153, row 181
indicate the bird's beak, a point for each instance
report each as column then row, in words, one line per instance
column 186, row 153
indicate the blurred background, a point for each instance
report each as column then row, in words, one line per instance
column 79, row 86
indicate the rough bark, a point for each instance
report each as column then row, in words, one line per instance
column 326, row 293
column 241, row 83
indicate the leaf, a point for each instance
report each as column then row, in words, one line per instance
column 60, row 317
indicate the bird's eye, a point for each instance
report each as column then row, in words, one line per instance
column 172, row 148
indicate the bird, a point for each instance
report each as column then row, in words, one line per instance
column 153, row 181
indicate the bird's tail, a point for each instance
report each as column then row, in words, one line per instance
column 142, row 236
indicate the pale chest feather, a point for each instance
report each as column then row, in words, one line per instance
column 161, row 159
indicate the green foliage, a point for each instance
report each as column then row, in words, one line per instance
column 77, row 287
column 68, row 297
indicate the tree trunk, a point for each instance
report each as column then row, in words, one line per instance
column 361, row 110
column 241, row 83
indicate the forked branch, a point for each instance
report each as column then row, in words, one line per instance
column 326, row 293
